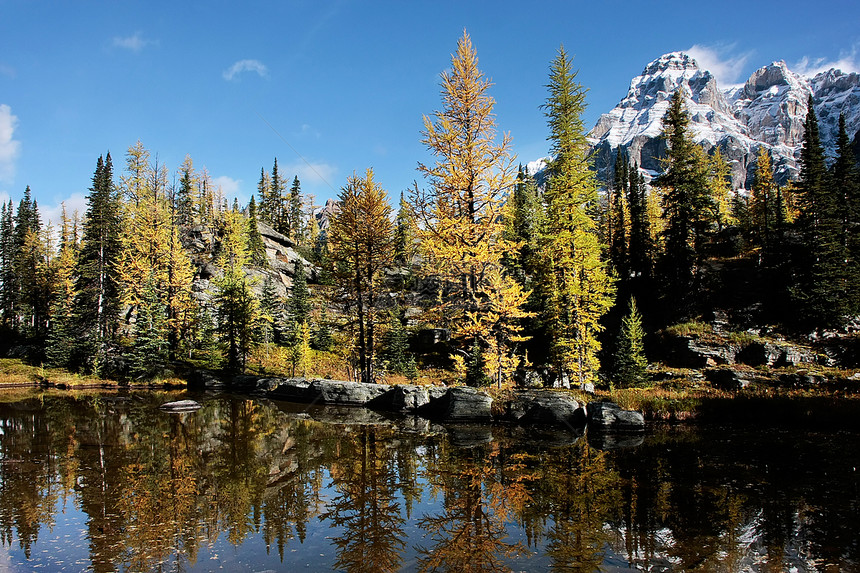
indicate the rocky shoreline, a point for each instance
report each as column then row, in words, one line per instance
column 457, row 404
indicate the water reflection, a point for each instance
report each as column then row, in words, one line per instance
column 250, row 485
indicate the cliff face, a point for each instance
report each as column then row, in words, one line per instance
column 203, row 243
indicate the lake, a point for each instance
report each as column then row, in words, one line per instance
column 111, row 483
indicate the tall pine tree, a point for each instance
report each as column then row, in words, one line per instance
column 97, row 301
column 820, row 288
column 688, row 210
column 574, row 284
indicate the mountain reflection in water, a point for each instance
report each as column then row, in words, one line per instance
column 110, row 483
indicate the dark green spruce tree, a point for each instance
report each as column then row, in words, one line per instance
column 687, row 206
column 299, row 304
column 846, row 183
column 819, row 288
column 31, row 286
column 395, row 345
column 618, row 255
column 97, row 302
column 629, row 364
column 149, row 351
column 256, row 247
column 276, row 210
column 7, row 265
column 294, row 215
column 641, row 250
column 521, row 228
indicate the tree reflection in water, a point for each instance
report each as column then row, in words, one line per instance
column 239, row 478
column 482, row 489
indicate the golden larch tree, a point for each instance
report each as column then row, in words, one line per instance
column 459, row 215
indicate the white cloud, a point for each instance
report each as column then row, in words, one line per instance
column 721, row 61
column 229, row 186
column 245, row 66
column 134, row 43
column 313, row 173
column 9, row 147
column 54, row 213
column 847, row 62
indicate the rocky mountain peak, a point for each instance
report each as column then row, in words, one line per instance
column 836, row 92
column 637, row 121
column 768, row 110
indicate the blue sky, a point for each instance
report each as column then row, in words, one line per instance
column 341, row 86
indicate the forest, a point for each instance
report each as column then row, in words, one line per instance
column 554, row 271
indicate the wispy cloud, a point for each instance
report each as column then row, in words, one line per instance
column 313, row 173
column 134, row 43
column 229, row 186
column 9, row 147
column 722, row 61
column 847, row 62
column 54, row 213
column 245, row 66
column 7, row 71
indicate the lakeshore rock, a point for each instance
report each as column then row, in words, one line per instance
column 459, row 404
column 180, row 406
column 610, row 417
column 727, row 379
column 406, row 398
column 344, row 393
column 545, row 407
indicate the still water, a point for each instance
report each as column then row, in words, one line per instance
column 110, row 483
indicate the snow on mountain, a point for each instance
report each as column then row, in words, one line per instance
column 637, row 122
column 836, row 92
column 768, row 110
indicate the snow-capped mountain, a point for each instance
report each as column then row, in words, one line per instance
column 769, row 110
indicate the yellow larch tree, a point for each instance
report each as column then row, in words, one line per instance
column 362, row 245
column 459, row 215
column 151, row 246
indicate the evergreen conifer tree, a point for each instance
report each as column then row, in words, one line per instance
column 641, row 247
column 272, row 316
column 7, row 265
column 256, row 247
column 322, row 338
column 297, row 231
column 238, row 310
column 185, row 194
column 523, row 220
column 618, row 251
column 61, row 345
column 97, row 300
column 476, row 374
column 264, row 190
column 404, row 234
column 150, row 347
column 630, row 365
column 846, row 184
column 276, row 208
column 687, row 209
column 395, row 345
column 819, row 290
column 574, row 283
column 299, row 304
